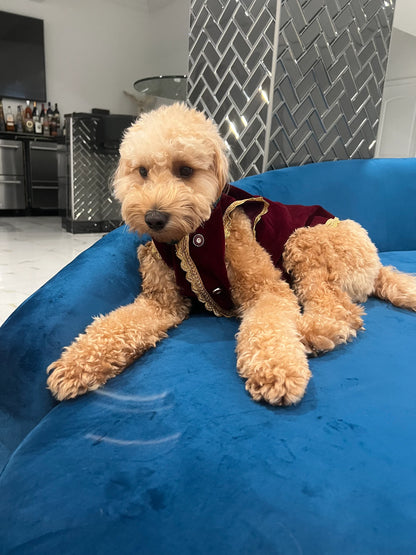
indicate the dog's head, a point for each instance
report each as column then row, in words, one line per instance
column 172, row 170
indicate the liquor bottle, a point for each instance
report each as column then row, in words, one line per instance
column 49, row 112
column 28, row 110
column 36, row 119
column 19, row 120
column 9, row 119
column 51, row 123
column 52, row 127
column 57, row 118
column 42, row 114
column 46, row 128
column 2, row 122
column 28, row 118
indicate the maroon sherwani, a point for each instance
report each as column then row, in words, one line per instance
column 198, row 259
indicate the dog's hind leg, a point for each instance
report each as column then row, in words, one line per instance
column 396, row 287
column 329, row 317
column 332, row 268
column 270, row 354
column 114, row 341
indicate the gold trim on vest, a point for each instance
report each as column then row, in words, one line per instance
column 332, row 222
column 227, row 214
column 197, row 285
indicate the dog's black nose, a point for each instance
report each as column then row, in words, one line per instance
column 156, row 220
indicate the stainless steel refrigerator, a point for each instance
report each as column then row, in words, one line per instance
column 12, row 179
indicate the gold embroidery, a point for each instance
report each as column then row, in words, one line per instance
column 333, row 222
column 197, row 285
column 190, row 269
column 264, row 211
column 236, row 204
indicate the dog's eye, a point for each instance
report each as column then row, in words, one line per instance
column 185, row 171
column 143, row 171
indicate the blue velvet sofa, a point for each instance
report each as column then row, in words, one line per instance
column 173, row 457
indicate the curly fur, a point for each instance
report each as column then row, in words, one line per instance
column 332, row 268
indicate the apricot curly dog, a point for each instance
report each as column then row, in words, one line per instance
column 230, row 251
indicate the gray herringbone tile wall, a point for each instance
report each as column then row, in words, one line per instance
column 91, row 174
column 290, row 82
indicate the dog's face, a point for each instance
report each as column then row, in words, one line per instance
column 172, row 170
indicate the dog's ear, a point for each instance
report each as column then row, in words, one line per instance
column 221, row 164
column 119, row 183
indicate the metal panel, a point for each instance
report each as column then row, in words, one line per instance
column 12, row 186
column 11, row 157
column 328, row 69
column 231, row 45
column 43, row 162
column 91, row 171
column 330, row 74
column 12, row 193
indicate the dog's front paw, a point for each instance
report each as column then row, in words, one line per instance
column 69, row 380
column 278, row 389
column 321, row 333
column 82, row 367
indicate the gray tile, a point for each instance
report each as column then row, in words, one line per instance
column 330, row 69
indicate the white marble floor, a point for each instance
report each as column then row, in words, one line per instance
column 32, row 250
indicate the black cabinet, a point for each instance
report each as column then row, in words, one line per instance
column 47, row 170
column 33, row 173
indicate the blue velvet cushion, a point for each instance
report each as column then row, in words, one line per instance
column 380, row 194
column 174, row 457
column 100, row 279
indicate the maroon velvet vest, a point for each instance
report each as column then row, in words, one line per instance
column 198, row 259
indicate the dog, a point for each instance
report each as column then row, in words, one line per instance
column 214, row 244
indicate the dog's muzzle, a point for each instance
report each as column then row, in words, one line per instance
column 156, row 220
